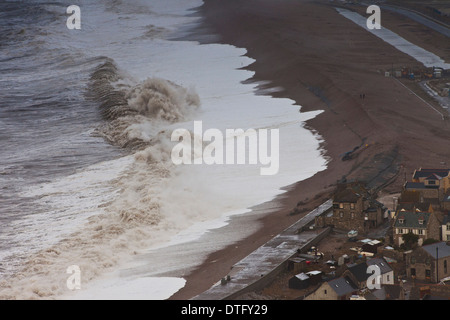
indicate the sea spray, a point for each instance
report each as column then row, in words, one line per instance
column 134, row 113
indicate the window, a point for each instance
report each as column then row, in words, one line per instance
column 413, row 260
column 420, row 231
column 448, row 237
column 431, row 182
column 341, row 214
column 325, row 291
column 352, row 206
column 413, row 272
column 341, row 205
column 427, row 273
column 353, row 215
column 448, row 227
column 387, row 277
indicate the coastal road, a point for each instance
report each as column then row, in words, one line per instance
column 439, row 27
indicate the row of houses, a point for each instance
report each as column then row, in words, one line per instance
column 428, row 264
column 423, row 207
column 421, row 213
column 357, row 280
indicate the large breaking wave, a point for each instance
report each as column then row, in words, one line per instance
column 141, row 210
column 135, row 112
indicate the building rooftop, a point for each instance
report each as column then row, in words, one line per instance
column 424, row 173
column 414, row 185
column 414, row 207
column 381, row 263
column 412, row 219
column 351, row 192
column 443, row 249
column 302, row 276
column 347, row 195
column 418, row 185
column 433, row 176
column 359, row 271
column 342, row 286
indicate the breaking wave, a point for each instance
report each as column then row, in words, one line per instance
column 142, row 210
column 135, row 112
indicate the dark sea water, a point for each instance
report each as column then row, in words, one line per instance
column 46, row 121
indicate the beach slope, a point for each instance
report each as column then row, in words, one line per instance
column 323, row 61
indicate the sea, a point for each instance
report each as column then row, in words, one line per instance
column 91, row 204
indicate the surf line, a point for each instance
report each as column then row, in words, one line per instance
column 191, row 148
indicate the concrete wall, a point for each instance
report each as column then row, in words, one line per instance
column 267, row 279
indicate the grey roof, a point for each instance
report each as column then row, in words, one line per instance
column 415, row 185
column 427, row 172
column 347, row 195
column 342, row 286
column 381, row 263
column 443, row 249
column 297, row 259
column 359, row 271
column 302, row 276
column 434, row 176
column 411, row 219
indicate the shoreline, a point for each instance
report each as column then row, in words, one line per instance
column 291, row 46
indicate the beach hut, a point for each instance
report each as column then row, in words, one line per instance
column 296, row 264
column 314, row 277
column 299, row 281
column 371, row 246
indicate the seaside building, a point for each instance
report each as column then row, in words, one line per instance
column 354, row 208
column 337, row 289
column 423, row 224
column 432, row 184
column 429, row 263
column 422, row 206
column 359, row 274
